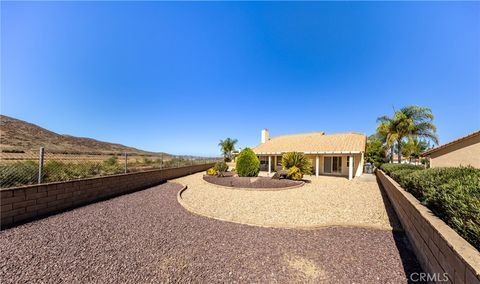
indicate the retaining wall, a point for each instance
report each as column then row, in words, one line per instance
column 21, row 204
column 438, row 247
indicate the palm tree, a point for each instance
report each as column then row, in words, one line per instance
column 414, row 147
column 386, row 133
column 409, row 122
column 227, row 146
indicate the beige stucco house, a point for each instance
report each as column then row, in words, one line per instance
column 464, row 151
column 339, row 154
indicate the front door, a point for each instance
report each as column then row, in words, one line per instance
column 332, row 165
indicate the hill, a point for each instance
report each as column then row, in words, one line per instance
column 18, row 135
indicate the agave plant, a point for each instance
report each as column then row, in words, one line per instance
column 296, row 159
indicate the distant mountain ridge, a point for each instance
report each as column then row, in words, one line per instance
column 19, row 135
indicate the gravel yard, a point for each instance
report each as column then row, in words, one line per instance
column 252, row 182
column 147, row 237
column 324, row 201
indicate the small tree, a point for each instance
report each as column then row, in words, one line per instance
column 297, row 160
column 248, row 164
column 375, row 153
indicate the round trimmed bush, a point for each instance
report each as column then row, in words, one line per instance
column 248, row 164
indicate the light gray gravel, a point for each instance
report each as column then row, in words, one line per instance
column 148, row 237
column 323, row 201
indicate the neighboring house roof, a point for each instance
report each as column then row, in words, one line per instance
column 451, row 143
column 315, row 143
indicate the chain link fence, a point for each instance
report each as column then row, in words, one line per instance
column 35, row 167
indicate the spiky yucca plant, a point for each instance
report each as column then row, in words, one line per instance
column 296, row 159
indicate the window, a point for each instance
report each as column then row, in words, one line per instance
column 348, row 161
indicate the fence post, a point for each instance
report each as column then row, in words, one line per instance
column 126, row 162
column 40, row 164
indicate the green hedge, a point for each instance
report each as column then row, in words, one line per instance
column 389, row 168
column 453, row 194
column 401, row 175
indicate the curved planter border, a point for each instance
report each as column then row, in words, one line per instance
column 277, row 226
column 302, row 183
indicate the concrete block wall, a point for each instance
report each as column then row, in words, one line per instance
column 21, row 204
column 438, row 247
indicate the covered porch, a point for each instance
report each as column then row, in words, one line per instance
column 345, row 164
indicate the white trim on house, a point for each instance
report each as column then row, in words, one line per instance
column 317, row 146
column 313, row 153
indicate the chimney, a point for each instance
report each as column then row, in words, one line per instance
column 265, row 135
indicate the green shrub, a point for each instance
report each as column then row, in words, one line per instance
column 294, row 173
column 18, row 173
column 453, row 194
column 111, row 166
column 375, row 152
column 298, row 160
column 212, row 172
column 111, row 161
column 248, row 164
column 60, row 171
column 221, row 166
column 389, row 168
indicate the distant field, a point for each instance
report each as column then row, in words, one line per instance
column 68, row 157
column 34, row 155
column 17, row 169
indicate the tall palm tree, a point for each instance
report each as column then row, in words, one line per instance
column 227, row 146
column 387, row 134
column 409, row 122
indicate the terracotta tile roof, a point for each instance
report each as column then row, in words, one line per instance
column 316, row 142
column 451, row 143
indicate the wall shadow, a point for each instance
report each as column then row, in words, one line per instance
column 409, row 259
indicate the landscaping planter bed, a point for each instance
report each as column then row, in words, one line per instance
column 251, row 182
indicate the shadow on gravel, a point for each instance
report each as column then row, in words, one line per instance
column 73, row 206
column 409, row 260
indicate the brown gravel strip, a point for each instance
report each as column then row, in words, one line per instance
column 148, row 237
column 251, row 182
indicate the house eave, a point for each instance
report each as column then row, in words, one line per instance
column 313, row 153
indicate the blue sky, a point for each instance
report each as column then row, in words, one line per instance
column 177, row 77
